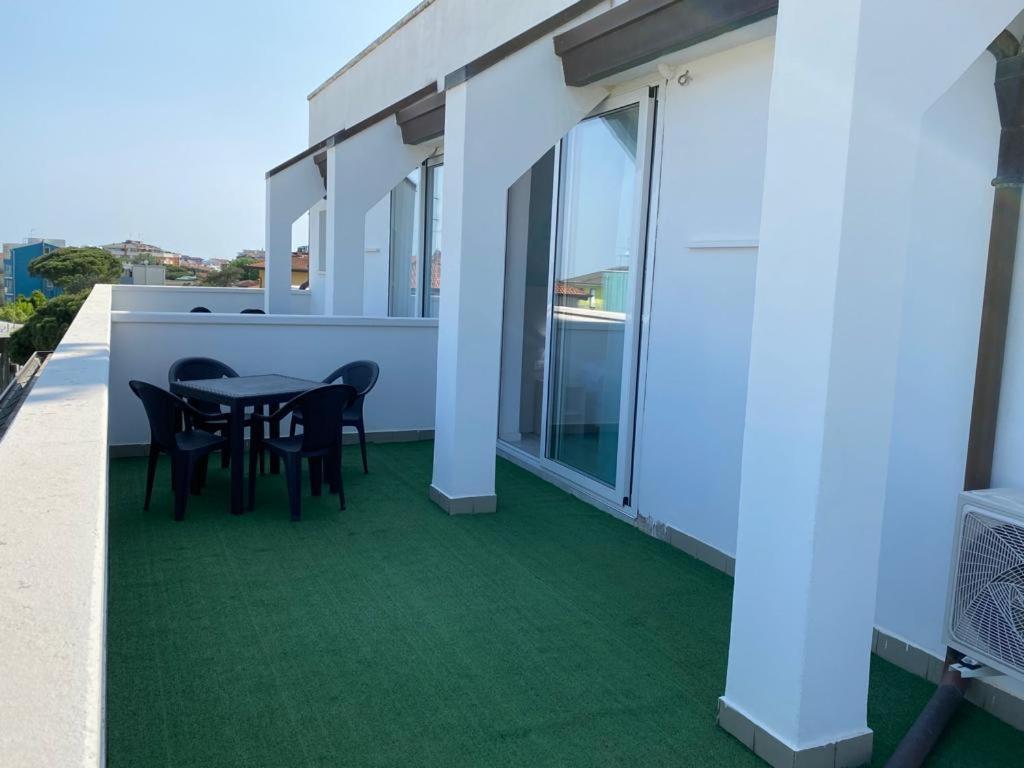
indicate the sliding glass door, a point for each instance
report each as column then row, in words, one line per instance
column 593, row 299
column 414, row 288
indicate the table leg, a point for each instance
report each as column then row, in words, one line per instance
column 237, row 462
column 275, row 431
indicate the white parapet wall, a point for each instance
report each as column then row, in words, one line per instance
column 151, row 298
column 53, row 551
column 144, row 344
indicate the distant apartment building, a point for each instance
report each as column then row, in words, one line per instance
column 17, row 257
column 132, row 250
column 300, row 270
column 193, row 262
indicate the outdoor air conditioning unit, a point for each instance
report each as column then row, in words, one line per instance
column 985, row 609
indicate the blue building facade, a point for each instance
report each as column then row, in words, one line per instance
column 17, row 280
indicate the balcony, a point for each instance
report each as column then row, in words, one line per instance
column 550, row 633
column 393, row 634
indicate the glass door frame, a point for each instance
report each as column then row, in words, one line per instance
column 421, row 236
column 427, row 213
column 619, row 495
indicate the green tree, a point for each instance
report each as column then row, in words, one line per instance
column 173, row 273
column 22, row 308
column 233, row 272
column 143, row 258
column 44, row 330
column 77, row 269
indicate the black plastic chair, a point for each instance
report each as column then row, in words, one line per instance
column 252, row 311
column 363, row 375
column 320, row 443
column 214, row 419
column 199, row 309
column 189, row 449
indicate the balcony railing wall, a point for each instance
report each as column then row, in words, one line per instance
column 53, row 528
column 146, row 298
column 144, row 344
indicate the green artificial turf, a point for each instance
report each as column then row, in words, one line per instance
column 548, row 634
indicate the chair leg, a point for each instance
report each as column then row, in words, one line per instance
column 255, row 450
column 199, row 475
column 362, row 445
column 151, row 473
column 316, row 475
column 182, row 480
column 331, row 471
column 293, row 478
column 336, row 467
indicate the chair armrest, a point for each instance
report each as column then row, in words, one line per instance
column 270, row 418
column 189, row 410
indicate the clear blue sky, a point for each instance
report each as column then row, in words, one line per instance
column 159, row 119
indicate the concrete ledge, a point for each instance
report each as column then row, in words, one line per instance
column 131, row 450
column 847, row 753
column 53, row 576
column 463, row 505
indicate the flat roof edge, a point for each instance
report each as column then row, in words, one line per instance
column 422, row 6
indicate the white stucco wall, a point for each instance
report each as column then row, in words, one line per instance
column 143, row 346
column 377, row 259
column 712, row 169
column 444, row 36
column 935, row 379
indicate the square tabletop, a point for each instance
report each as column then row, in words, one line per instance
column 244, row 389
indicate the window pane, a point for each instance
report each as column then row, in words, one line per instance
column 432, row 291
column 406, row 239
column 321, row 247
column 591, row 305
column 524, row 319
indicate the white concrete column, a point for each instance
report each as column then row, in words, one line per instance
column 496, row 126
column 360, row 171
column 290, row 193
column 844, row 121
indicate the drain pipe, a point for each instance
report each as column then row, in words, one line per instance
column 1002, row 248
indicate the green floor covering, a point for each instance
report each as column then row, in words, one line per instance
column 548, row 634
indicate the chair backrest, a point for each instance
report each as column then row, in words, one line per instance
column 322, row 409
column 252, row 311
column 362, row 374
column 199, row 309
column 193, row 368
column 162, row 410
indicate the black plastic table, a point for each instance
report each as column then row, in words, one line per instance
column 238, row 394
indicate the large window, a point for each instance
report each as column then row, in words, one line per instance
column 432, row 278
column 414, row 284
column 574, row 272
column 406, row 246
column 590, row 297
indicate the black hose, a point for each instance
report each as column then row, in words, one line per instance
column 919, row 741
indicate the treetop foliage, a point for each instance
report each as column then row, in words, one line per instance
column 77, row 269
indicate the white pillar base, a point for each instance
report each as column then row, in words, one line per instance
column 851, row 752
column 463, row 505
